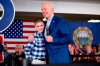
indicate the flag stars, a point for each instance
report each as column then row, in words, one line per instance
column 5, row 36
column 21, row 36
column 21, row 21
column 9, row 36
column 17, row 21
column 15, row 30
column 19, row 30
column 11, row 26
column 21, row 25
column 15, row 26
column 11, row 30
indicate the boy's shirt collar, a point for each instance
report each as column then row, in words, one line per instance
column 40, row 34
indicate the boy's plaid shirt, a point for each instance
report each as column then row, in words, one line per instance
column 36, row 49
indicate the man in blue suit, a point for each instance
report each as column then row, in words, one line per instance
column 58, row 38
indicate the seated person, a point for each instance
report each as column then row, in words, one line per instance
column 71, row 48
column 6, row 55
column 1, row 49
column 88, row 52
column 98, row 53
column 19, row 55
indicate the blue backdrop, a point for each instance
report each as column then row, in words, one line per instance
column 94, row 27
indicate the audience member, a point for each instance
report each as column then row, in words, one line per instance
column 6, row 55
column 98, row 53
column 1, row 56
column 19, row 55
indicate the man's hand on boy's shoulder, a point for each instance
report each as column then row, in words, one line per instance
column 30, row 38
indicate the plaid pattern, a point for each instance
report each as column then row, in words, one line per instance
column 36, row 49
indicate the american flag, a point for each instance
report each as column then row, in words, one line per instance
column 18, row 32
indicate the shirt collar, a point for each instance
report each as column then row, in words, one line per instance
column 40, row 34
column 51, row 17
column 48, row 19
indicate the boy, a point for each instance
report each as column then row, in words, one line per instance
column 35, row 50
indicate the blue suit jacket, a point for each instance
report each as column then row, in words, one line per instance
column 58, row 50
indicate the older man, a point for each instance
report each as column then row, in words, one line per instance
column 58, row 38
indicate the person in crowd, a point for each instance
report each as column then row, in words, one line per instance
column 35, row 51
column 1, row 47
column 6, row 55
column 94, row 52
column 1, row 56
column 77, row 51
column 57, row 36
column 5, row 48
column 71, row 49
column 88, row 52
column 19, row 55
column 98, row 53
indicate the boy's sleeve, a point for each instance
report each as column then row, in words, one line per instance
column 28, row 50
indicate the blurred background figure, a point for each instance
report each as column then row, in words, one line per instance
column 19, row 55
column 1, row 56
column 6, row 55
column 71, row 49
column 77, row 51
column 94, row 52
column 88, row 51
column 98, row 53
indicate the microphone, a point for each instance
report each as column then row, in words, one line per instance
column 47, row 30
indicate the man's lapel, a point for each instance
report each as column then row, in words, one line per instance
column 52, row 23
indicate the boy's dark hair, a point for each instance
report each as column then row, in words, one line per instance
column 38, row 20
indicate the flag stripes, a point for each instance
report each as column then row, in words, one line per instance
column 28, row 29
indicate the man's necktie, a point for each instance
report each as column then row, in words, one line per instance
column 46, row 33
